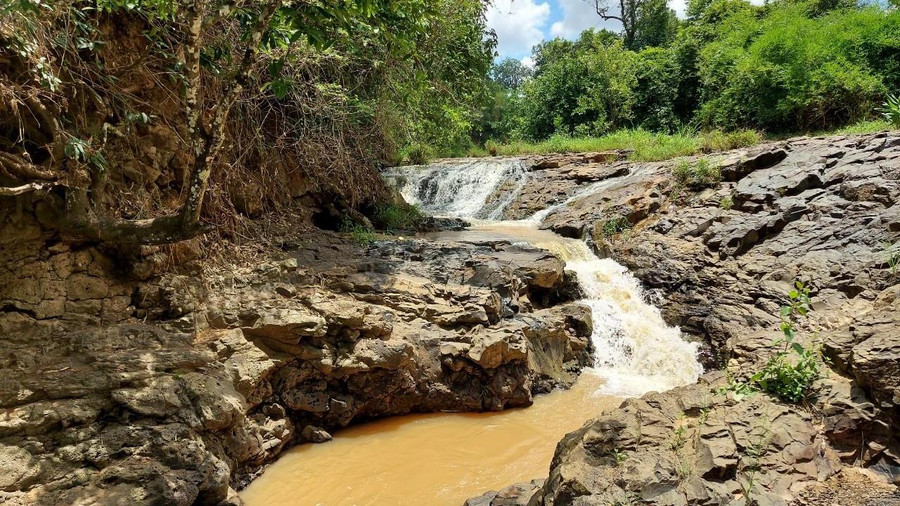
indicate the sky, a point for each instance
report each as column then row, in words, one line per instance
column 520, row 24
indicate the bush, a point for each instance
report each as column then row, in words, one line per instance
column 392, row 217
column 697, row 175
column 417, row 154
column 718, row 140
column 787, row 71
column 891, row 110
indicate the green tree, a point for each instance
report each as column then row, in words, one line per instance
column 645, row 23
column 62, row 154
column 510, row 73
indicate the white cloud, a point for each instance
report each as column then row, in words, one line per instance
column 578, row 16
column 680, row 6
column 518, row 23
column 528, row 62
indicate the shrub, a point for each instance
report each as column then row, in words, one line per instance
column 697, row 175
column 718, row 140
column 359, row 233
column 417, row 154
column 392, row 217
column 791, row 372
column 615, row 226
column 891, row 110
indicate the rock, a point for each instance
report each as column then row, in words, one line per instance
column 688, row 446
column 314, row 434
column 818, row 210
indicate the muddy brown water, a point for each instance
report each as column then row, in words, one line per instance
column 437, row 459
column 443, row 459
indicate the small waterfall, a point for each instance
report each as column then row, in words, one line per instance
column 636, row 352
column 476, row 189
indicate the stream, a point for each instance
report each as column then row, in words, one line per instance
column 443, row 459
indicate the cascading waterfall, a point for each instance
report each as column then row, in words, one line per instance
column 636, row 352
column 478, row 189
column 442, row 459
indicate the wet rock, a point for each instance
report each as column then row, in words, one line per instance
column 314, row 434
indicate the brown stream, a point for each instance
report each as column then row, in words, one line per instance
column 437, row 459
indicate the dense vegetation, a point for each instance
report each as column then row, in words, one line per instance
column 152, row 121
column 787, row 66
column 148, row 121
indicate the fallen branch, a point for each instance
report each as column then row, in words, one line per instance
column 25, row 188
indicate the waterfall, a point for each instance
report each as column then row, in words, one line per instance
column 476, row 189
column 635, row 351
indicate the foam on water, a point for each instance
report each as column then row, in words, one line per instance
column 636, row 351
column 476, row 189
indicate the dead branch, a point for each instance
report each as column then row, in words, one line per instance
column 21, row 190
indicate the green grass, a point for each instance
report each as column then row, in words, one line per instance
column 865, row 127
column 391, row 217
column 645, row 146
column 697, row 175
column 858, row 128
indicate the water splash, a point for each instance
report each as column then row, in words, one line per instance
column 635, row 351
column 475, row 189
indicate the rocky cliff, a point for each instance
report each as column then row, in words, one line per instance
column 178, row 389
column 721, row 256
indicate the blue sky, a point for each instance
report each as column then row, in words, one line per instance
column 520, row 24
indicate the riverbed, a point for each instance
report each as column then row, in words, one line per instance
column 443, row 459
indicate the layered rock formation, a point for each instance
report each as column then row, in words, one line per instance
column 721, row 259
column 176, row 390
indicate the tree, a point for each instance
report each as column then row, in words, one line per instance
column 645, row 23
column 510, row 73
column 62, row 162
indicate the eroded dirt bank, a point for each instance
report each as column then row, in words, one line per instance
column 722, row 259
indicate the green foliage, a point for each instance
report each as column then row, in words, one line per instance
column 417, row 154
column 891, row 110
column 779, row 69
column 698, row 174
column 790, row 373
column 359, row 234
column 727, row 203
column 732, row 68
column 615, row 226
column 579, row 88
column 717, row 140
column 391, row 217
column 510, row 74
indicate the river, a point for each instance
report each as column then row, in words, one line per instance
column 442, row 459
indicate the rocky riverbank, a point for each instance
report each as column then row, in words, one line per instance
column 122, row 385
column 178, row 389
column 720, row 258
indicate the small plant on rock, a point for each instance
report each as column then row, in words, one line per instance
column 726, row 203
column 615, row 226
column 791, row 372
column 697, row 175
column 891, row 110
column 892, row 257
column 359, row 234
